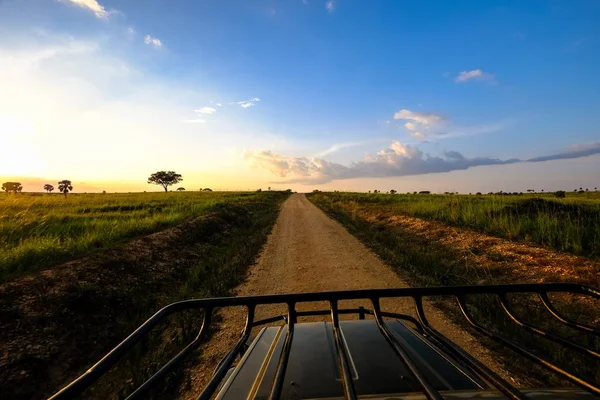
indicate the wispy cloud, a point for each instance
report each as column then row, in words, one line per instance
column 576, row 151
column 219, row 105
column 206, row 110
column 153, row 41
column 91, row 5
column 426, row 119
column 194, row 121
column 248, row 103
column 397, row 160
column 340, row 146
column 330, row 6
column 476, row 75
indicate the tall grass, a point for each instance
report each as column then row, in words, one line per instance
column 38, row 231
column 571, row 224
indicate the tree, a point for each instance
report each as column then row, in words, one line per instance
column 181, row 189
column 207, row 190
column 165, row 179
column 12, row 187
column 48, row 187
column 393, row 192
column 65, row 186
column 561, row 194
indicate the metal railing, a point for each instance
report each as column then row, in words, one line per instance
column 398, row 345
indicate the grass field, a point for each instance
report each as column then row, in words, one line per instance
column 571, row 224
column 117, row 288
column 38, row 231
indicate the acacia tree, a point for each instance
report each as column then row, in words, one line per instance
column 65, row 186
column 12, row 187
column 48, row 187
column 393, row 192
column 181, row 189
column 165, row 179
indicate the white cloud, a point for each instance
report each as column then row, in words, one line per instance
column 152, row 41
column 206, row 110
column 397, row 160
column 219, row 105
column 418, row 134
column 410, row 126
column 194, row 121
column 91, row 5
column 475, row 74
column 248, row 103
column 330, row 6
column 130, row 30
column 426, row 119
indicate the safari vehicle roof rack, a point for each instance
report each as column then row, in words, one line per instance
column 421, row 324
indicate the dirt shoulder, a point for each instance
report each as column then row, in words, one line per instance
column 306, row 252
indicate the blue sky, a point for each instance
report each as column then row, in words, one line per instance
column 342, row 94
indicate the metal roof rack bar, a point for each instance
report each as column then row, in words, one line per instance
column 285, row 354
column 517, row 348
column 349, row 391
column 569, row 322
column 557, row 339
column 428, row 389
column 143, row 389
column 222, row 369
column 471, row 362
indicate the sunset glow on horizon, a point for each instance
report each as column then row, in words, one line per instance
column 242, row 95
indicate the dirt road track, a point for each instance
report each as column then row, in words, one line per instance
column 306, row 252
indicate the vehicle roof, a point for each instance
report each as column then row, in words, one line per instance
column 313, row 370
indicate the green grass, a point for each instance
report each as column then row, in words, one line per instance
column 571, row 224
column 38, row 231
column 425, row 262
column 87, row 310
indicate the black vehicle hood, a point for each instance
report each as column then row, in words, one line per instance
column 313, row 369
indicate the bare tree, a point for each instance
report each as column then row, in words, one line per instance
column 48, row 187
column 165, row 179
column 65, row 186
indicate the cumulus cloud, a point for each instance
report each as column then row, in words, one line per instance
column 397, row 160
column 475, row 74
column 248, row 103
column 330, row 6
column 206, row 110
column 153, row 41
column 91, row 5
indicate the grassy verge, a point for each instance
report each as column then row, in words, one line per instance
column 38, row 231
column 571, row 224
column 425, row 262
column 81, row 310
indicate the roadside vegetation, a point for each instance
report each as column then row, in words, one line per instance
column 427, row 254
column 569, row 222
column 58, row 322
column 38, row 231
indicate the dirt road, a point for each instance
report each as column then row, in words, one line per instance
column 308, row 251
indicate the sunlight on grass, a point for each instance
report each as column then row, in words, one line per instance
column 38, row 231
